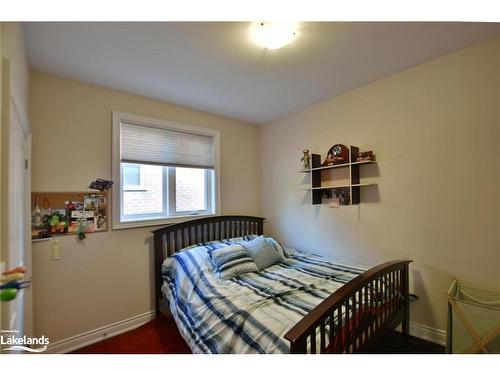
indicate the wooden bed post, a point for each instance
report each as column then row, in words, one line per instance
column 260, row 227
column 158, row 260
column 298, row 347
column 405, row 324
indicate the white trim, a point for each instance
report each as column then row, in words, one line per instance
column 23, row 119
column 208, row 183
column 117, row 119
column 152, row 223
column 99, row 334
column 435, row 335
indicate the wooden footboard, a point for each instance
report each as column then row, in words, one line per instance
column 351, row 317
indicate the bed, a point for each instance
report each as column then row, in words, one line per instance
column 303, row 304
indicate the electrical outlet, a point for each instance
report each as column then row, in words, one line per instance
column 56, row 250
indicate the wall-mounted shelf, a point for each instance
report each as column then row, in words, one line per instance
column 336, row 186
column 354, row 185
column 338, row 166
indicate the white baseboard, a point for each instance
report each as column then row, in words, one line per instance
column 81, row 340
column 437, row 336
column 99, row 334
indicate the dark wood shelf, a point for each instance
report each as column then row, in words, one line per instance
column 316, row 188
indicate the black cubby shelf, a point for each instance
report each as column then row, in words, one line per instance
column 355, row 185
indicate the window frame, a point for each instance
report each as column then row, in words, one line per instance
column 172, row 199
column 117, row 119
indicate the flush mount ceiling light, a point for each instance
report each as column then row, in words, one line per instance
column 273, row 35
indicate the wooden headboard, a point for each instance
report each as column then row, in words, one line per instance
column 174, row 237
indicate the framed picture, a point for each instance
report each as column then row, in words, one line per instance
column 91, row 208
column 90, row 203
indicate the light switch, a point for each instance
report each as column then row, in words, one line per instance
column 56, row 250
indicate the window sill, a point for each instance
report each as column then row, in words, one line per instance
column 158, row 222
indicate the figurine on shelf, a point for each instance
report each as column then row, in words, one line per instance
column 306, row 159
column 365, row 156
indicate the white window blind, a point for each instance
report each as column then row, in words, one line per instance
column 149, row 145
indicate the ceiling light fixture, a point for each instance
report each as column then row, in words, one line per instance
column 273, row 35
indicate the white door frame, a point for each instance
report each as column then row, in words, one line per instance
column 11, row 117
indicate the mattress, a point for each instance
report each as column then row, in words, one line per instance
column 251, row 312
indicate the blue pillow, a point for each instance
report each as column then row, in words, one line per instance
column 263, row 252
column 231, row 261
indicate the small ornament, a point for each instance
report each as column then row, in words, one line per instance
column 20, row 269
column 15, row 284
column 365, row 156
column 101, row 184
column 306, row 159
column 338, row 154
column 80, row 231
column 8, row 294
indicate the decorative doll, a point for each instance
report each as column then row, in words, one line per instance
column 306, row 159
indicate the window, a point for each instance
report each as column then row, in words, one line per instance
column 132, row 177
column 162, row 171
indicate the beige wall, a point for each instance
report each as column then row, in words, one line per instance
column 13, row 50
column 435, row 131
column 108, row 277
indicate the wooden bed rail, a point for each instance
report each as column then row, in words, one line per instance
column 350, row 318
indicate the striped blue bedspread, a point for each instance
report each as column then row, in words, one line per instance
column 252, row 312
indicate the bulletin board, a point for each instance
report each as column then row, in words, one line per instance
column 61, row 213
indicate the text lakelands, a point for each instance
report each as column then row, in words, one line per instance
column 24, row 340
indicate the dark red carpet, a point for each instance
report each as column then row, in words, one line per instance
column 155, row 337
column 161, row 336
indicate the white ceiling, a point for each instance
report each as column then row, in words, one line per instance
column 213, row 66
